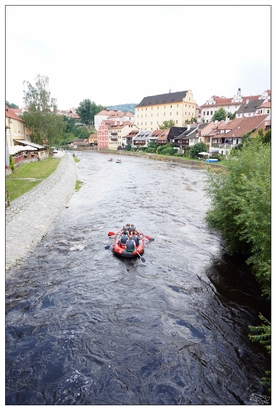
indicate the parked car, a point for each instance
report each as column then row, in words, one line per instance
column 55, row 151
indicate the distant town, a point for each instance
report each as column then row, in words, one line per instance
column 173, row 118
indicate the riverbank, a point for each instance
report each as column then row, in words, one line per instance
column 29, row 217
column 172, row 159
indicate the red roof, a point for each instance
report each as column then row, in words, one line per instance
column 248, row 124
column 11, row 114
column 219, row 101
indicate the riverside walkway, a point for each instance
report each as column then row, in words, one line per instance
column 29, row 217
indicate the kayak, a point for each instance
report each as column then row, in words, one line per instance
column 110, row 159
column 120, row 250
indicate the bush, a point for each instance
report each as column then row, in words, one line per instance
column 241, row 208
column 197, row 148
column 12, row 162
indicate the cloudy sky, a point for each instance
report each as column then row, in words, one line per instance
column 120, row 54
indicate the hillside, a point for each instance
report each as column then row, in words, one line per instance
column 123, row 107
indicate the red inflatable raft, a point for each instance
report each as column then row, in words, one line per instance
column 120, row 250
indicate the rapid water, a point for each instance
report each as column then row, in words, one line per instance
column 85, row 327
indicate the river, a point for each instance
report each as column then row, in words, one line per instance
column 85, row 327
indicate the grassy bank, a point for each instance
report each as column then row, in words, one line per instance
column 27, row 176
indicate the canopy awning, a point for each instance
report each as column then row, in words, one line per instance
column 29, row 143
column 18, row 148
column 203, row 153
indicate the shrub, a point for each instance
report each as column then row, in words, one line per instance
column 12, row 162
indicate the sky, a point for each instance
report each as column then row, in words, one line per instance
column 121, row 53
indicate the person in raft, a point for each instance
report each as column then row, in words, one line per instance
column 126, row 227
column 135, row 237
column 130, row 244
column 124, row 238
column 132, row 228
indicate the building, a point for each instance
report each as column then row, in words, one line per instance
column 117, row 132
column 71, row 113
column 142, row 139
column 128, row 139
column 15, row 128
column 112, row 115
column 249, row 108
column 161, row 136
column 222, row 136
column 231, row 105
column 152, row 111
column 111, row 134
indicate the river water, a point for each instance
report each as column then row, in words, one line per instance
column 85, row 327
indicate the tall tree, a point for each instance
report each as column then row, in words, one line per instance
column 41, row 118
column 87, row 111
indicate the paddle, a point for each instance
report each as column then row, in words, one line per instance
column 107, row 247
column 149, row 238
column 141, row 257
column 145, row 236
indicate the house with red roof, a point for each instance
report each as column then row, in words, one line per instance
column 111, row 134
column 15, row 128
column 224, row 135
column 231, row 105
column 112, row 115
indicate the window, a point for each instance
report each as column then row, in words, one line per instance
column 207, row 112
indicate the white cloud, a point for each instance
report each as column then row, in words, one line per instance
column 120, row 54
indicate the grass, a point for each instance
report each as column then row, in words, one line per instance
column 37, row 171
column 78, row 184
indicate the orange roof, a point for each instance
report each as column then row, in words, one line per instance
column 219, row 101
column 266, row 104
column 247, row 125
column 11, row 114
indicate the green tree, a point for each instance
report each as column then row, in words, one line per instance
column 197, row 148
column 166, row 125
column 87, row 111
column 193, row 120
column 41, row 118
column 11, row 105
column 219, row 115
column 241, row 207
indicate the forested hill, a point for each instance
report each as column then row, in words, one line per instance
column 123, row 107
